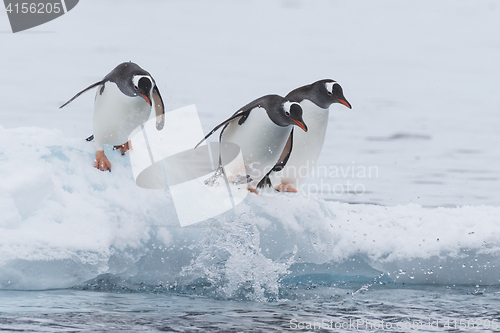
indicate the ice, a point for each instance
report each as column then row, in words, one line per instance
column 28, row 188
column 64, row 222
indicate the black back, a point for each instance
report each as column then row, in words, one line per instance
column 122, row 75
column 274, row 106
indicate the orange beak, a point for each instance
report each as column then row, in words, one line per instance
column 301, row 125
column 346, row 103
column 147, row 99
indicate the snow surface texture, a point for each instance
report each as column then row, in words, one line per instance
column 64, row 222
column 423, row 82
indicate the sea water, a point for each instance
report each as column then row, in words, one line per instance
column 348, row 307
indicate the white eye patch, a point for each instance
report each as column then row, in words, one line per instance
column 135, row 79
column 287, row 105
column 329, row 87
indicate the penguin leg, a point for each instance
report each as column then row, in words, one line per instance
column 101, row 161
column 253, row 190
column 123, row 148
column 266, row 181
column 285, row 188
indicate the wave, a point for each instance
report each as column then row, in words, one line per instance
column 65, row 224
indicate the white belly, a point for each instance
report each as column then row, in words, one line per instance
column 117, row 115
column 306, row 146
column 261, row 142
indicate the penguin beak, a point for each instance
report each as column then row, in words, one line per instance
column 301, row 124
column 345, row 102
column 146, row 98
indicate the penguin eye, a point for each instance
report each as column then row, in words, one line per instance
column 141, row 82
column 287, row 113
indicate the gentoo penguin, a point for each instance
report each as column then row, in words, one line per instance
column 303, row 149
column 123, row 102
column 261, row 130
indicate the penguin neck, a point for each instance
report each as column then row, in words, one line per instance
column 278, row 120
column 313, row 93
column 314, row 116
column 277, row 117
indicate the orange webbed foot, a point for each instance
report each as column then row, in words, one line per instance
column 101, row 161
column 253, row 190
column 123, row 148
column 285, row 188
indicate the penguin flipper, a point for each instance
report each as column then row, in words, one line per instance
column 285, row 155
column 159, row 108
column 81, row 92
column 225, row 122
column 280, row 164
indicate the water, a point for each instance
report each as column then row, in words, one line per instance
column 365, row 307
column 415, row 240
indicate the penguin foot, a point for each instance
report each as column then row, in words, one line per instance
column 285, row 188
column 212, row 181
column 253, row 190
column 123, row 148
column 101, row 161
column 239, row 179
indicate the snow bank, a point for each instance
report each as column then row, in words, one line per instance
column 62, row 222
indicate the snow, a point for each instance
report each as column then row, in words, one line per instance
column 422, row 80
column 64, row 222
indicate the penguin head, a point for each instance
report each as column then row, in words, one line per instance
column 323, row 93
column 143, row 86
column 132, row 81
column 329, row 92
column 293, row 114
